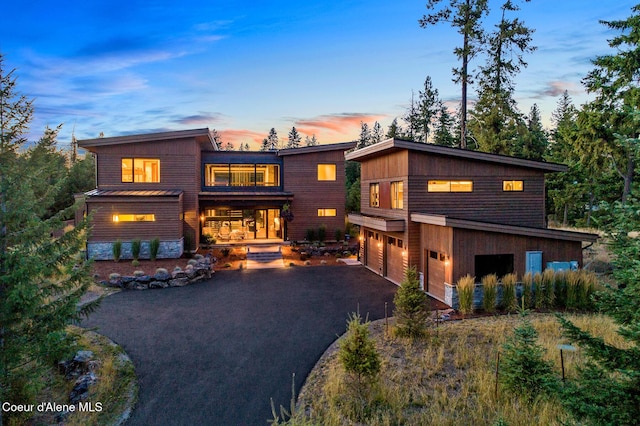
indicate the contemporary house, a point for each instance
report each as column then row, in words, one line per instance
column 452, row 212
column 178, row 187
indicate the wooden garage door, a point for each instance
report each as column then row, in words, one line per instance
column 395, row 269
column 435, row 274
column 373, row 253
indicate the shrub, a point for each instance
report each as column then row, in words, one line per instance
column 523, row 369
column 339, row 234
column 411, row 306
column 188, row 244
column 509, row 302
column 560, row 289
column 466, row 286
column 310, row 235
column 538, row 294
column 322, row 233
column 154, row 247
column 526, row 300
column 361, row 362
column 490, row 292
column 135, row 263
column 116, row 250
column 225, row 251
column 135, row 248
column 548, row 283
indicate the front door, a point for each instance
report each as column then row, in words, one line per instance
column 268, row 223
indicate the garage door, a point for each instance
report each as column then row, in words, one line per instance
column 395, row 267
column 373, row 253
column 435, row 274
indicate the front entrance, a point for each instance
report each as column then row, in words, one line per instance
column 236, row 225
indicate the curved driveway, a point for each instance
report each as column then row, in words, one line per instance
column 214, row 353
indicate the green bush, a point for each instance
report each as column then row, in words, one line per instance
column 310, row 235
column 154, row 247
column 548, row 284
column 339, row 234
column 490, row 292
column 135, row 248
column 116, row 250
column 560, row 290
column 411, row 306
column 526, row 300
column 509, row 302
column 538, row 293
column 523, row 369
column 466, row 286
column 322, row 233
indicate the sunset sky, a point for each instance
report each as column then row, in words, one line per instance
column 244, row 67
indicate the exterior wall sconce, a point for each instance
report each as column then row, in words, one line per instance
column 116, row 218
column 447, row 261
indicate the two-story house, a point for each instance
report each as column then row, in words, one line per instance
column 452, row 212
column 173, row 185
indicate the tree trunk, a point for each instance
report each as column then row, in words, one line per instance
column 463, row 106
column 628, row 178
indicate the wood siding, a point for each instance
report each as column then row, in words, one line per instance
column 167, row 224
column 438, row 239
column 180, row 168
column 300, row 176
column 469, row 243
column 488, row 202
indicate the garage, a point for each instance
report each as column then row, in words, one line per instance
column 394, row 261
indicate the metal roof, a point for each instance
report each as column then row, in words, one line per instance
column 134, row 193
column 202, row 135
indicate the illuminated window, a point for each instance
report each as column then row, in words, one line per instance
column 242, row 175
column 512, row 185
column 134, row 218
column 374, row 195
column 397, row 195
column 450, row 186
column 327, row 212
column 140, row 170
column 326, row 172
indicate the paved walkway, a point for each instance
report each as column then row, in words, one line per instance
column 214, row 353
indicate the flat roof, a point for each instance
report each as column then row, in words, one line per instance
column 134, row 193
column 393, row 145
column 201, row 135
column 556, row 234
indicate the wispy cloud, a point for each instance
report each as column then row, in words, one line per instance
column 557, row 88
column 241, row 136
column 203, row 118
column 339, row 123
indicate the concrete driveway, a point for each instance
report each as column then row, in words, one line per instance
column 214, row 353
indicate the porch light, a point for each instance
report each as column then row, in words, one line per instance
column 446, row 261
column 404, row 253
column 116, row 218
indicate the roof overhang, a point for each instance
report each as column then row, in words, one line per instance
column 202, row 136
column 393, row 145
column 135, row 196
column 555, row 234
column 237, row 196
column 343, row 146
column 377, row 223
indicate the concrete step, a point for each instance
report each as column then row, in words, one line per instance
column 266, row 256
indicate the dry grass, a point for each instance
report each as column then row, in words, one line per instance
column 113, row 390
column 448, row 378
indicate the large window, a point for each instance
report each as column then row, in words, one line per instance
column 374, row 195
column 327, row 212
column 450, row 186
column 242, row 175
column 397, row 195
column 326, row 172
column 133, row 218
column 512, row 185
column 140, row 170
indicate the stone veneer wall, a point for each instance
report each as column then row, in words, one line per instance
column 171, row 249
column 451, row 295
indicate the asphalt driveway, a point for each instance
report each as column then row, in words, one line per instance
column 214, row 353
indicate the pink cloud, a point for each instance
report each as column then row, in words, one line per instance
column 557, row 88
column 237, row 136
column 339, row 123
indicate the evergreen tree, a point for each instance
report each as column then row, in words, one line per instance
column 466, row 16
column 534, row 143
column 614, row 80
column 357, row 352
column 497, row 124
column 273, row 142
column 294, row 138
column 394, row 131
column 412, row 118
column 376, row 133
column 228, row 146
column 411, row 306
column 41, row 277
column 365, row 136
column 428, row 108
column 607, row 390
column 264, row 146
column 217, row 138
column 443, row 133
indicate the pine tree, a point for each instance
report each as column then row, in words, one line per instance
column 428, row 107
column 41, row 277
column 466, row 16
column 357, row 352
column 264, row 146
column 273, row 142
column 534, row 143
column 412, row 118
column 365, row 136
column 607, row 390
column 443, row 133
column 394, row 131
column 294, row 138
column 411, row 306
column 376, row 133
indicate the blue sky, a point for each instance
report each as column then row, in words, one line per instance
column 244, row 67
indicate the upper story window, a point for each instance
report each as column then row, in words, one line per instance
column 450, row 186
column 242, row 175
column 327, row 212
column 397, row 195
column 326, row 172
column 512, row 185
column 140, row 170
column 374, row 195
column 134, row 218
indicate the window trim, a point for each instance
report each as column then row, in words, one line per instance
column 133, row 169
